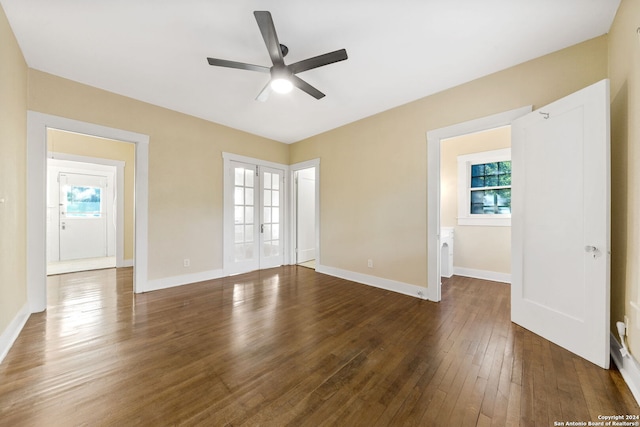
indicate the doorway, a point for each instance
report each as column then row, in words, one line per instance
column 305, row 213
column 81, row 216
column 38, row 124
column 254, row 214
column 434, row 139
column 475, row 205
column 305, row 217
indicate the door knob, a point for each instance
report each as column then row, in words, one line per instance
column 592, row 249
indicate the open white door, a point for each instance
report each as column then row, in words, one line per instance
column 561, row 222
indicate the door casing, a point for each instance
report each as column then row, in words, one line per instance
column 37, row 125
column 434, row 139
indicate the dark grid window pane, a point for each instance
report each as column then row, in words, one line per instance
column 491, row 201
column 491, row 174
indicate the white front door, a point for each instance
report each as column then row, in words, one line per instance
column 560, row 222
column 83, row 216
column 255, row 217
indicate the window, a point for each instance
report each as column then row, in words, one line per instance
column 82, row 202
column 484, row 188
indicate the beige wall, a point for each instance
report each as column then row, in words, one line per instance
column 185, row 167
column 13, row 134
column 373, row 173
column 624, row 71
column 475, row 247
column 84, row 145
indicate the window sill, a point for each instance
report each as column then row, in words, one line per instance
column 490, row 222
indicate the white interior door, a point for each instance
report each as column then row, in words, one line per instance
column 561, row 222
column 305, row 185
column 256, row 209
column 83, row 216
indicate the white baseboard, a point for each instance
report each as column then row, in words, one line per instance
column 10, row 334
column 628, row 367
column 169, row 282
column 126, row 263
column 378, row 282
column 482, row 274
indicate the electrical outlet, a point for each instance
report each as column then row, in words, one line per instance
column 186, row 262
column 370, row 263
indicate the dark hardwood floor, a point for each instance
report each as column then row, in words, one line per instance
column 289, row 346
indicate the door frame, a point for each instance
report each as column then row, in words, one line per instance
column 314, row 163
column 37, row 125
column 228, row 198
column 119, row 191
column 434, row 138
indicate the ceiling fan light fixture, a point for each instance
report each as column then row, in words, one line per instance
column 281, row 85
column 283, row 76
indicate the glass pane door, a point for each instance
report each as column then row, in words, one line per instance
column 271, row 250
column 254, row 209
column 245, row 251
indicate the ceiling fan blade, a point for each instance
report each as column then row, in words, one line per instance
column 318, row 61
column 268, row 30
column 239, row 65
column 306, row 87
column 264, row 93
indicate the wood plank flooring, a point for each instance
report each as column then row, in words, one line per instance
column 291, row 347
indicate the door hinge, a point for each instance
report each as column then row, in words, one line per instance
column 257, row 170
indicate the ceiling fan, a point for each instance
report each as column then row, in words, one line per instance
column 283, row 77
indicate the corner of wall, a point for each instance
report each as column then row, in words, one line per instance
column 10, row 334
column 628, row 367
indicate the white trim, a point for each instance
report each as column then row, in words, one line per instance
column 493, row 276
column 37, row 125
column 186, row 279
column 252, row 160
column 628, row 367
column 315, row 163
column 377, row 282
column 9, row 335
column 126, row 263
column 433, row 184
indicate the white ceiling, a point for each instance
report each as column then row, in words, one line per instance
column 399, row 51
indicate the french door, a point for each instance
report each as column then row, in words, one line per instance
column 254, row 220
